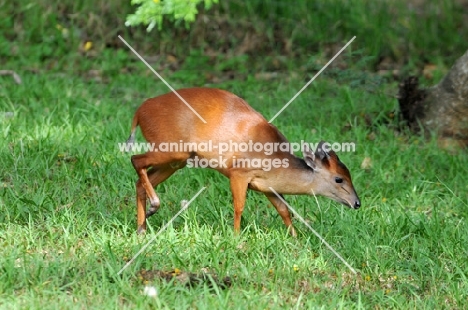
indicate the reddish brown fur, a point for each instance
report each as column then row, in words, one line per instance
column 338, row 167
column 167, row 119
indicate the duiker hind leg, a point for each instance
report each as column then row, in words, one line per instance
column 146, row 183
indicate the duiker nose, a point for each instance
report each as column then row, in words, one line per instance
column 357, row 204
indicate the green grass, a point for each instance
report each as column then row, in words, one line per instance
column 67, row 196
column 42, row 35
column 68, row 219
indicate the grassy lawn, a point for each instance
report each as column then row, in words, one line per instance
column 67, row 194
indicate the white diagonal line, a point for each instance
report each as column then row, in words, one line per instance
column 308, row 83
column 162, row 79
column 315, row 233
column 160, row 231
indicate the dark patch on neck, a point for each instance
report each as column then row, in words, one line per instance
column 298, row 163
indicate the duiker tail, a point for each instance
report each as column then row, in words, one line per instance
column 131, row 139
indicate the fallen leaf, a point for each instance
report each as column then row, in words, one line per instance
column 366, row 163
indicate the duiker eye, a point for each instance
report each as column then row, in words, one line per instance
column 338, row 180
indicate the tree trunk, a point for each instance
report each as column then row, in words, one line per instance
column 442, row 108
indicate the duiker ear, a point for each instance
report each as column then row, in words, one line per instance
column 322, row 151
column 309, row 157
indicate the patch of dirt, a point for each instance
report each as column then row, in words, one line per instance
column 185, row 278
column 411, row 99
